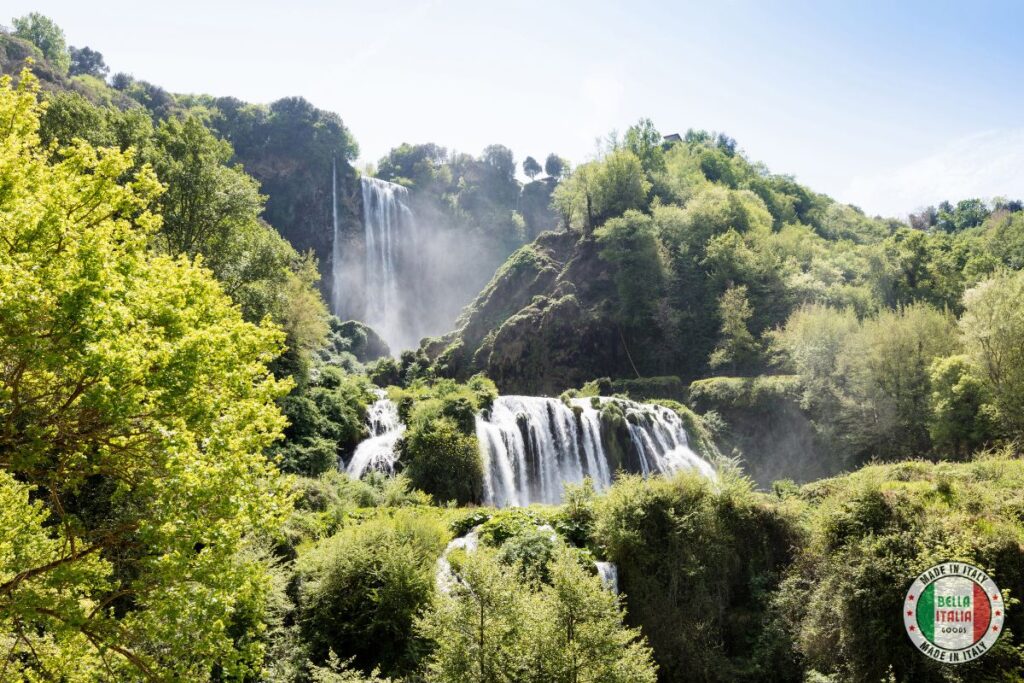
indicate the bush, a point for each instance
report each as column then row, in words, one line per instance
column 462, row 525
column 869, row 534
column 575, row 518
column 439, row 449
column 507, row 524
column 529, row 552
column 495, row 627
column 697, row 561
column 361, row 590
column 443, row 461
column 326, row 420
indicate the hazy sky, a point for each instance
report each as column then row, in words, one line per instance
column 886, row 107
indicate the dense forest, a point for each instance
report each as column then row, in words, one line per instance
column 181, row 405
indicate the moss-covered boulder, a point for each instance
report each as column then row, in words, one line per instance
column 361, row 340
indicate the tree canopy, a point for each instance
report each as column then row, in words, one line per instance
column 136, row 405
column 45, row 34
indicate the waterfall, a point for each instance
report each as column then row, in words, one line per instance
column 392, row 261
column 377, row 453
column 532, row 446
column 444, row 577
column 336, row 255
column 390, row 242
column 609, row 574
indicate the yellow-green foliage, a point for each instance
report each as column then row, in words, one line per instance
column 745, row 392
column 499, row 625
column 323, row 504
column 137, row 404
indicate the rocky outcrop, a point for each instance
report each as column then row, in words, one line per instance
column 543, row 324
column 360, row 340
column 764, row 423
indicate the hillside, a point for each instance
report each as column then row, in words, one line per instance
column 698, row 268
column 696, row 422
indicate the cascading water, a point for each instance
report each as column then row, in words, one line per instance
column 336, row 255
column 377, row 453
column 444, row 577
column 381, row 290
column 532, row 446
column 390, row 239
column 609, row 574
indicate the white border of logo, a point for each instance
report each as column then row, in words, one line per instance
column 933, row 574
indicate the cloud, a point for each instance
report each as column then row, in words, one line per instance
column 985, row 164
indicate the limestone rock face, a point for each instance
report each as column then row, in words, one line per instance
column 299, row 195
column 542, row 325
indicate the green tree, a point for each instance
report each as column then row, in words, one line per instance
column 207, row 202
column 212, row 209
column 531, row 168
column 443, row 460
column 478, row 630
column 867, row 383
column 992, row 326
column 599, row 190
column 580, row 638
column 737, row 347
column 87, row 62
column 714, row 211
column 135, row 406
column 644, row 140
column 621, row 185
column 886, row 367
column 362, row 589
column 631, row 243
column 960, row 412
column 555, row 165
column 45, row 34
column 419, row 166
column 495, row 627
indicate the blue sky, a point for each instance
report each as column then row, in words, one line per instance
column 888, row 107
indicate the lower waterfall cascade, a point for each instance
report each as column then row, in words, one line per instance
column 532, row 446
column 377, row 453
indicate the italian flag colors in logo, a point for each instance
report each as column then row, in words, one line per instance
column 953, row 612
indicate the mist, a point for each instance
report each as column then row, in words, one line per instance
column 413, row 270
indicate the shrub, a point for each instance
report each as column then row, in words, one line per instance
column 443, row 461
column 508, row 523
column 697, row 562
column 361, row 590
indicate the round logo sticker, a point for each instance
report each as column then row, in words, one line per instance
column 953, row 612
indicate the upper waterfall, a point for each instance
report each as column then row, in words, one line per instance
column 390, row 263
column 390, row 236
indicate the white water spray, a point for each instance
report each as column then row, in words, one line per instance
column 533, row 446
column 377, row 453
column 609, row 574
column 391, row 247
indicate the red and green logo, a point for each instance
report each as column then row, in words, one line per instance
column 953, row 612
